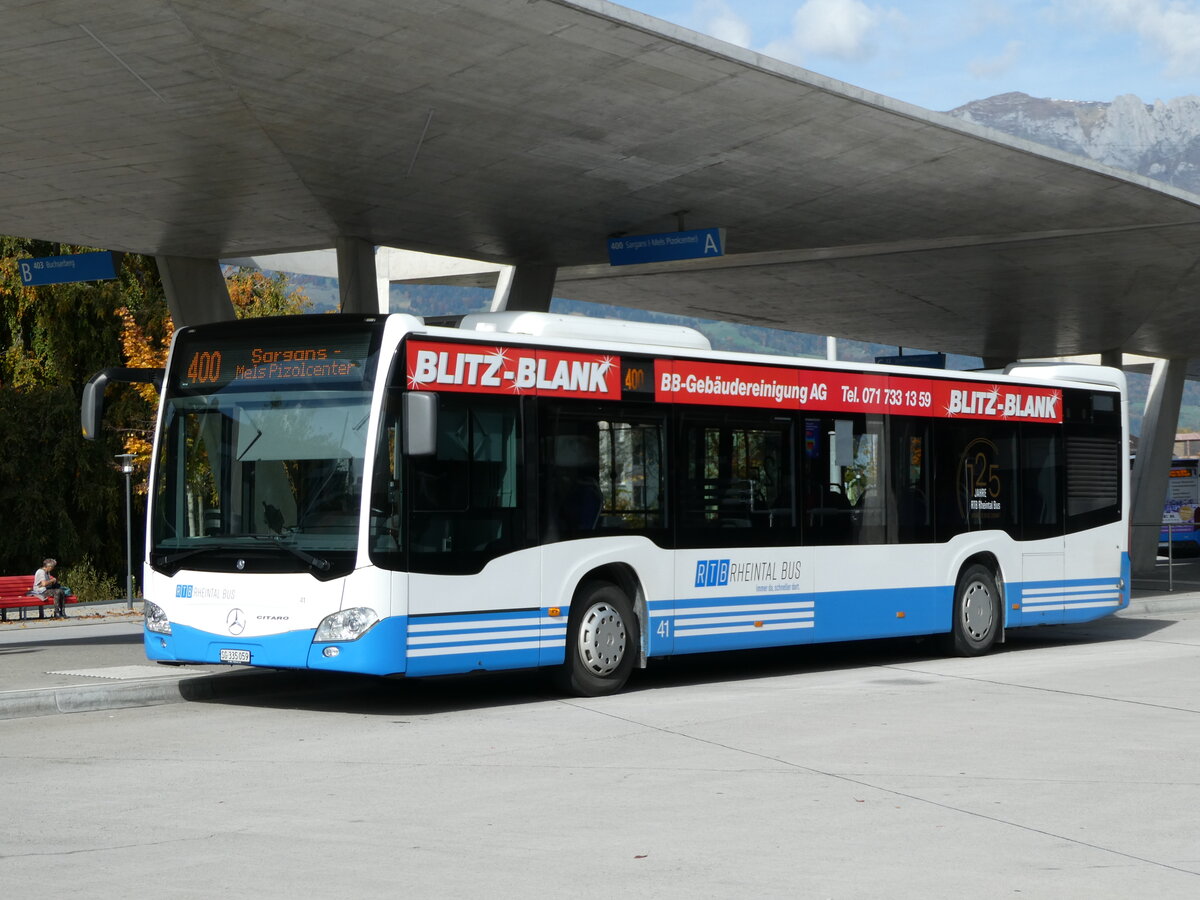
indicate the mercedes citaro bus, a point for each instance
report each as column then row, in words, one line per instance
column 390, row 495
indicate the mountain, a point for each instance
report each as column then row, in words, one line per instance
column 1159, row 140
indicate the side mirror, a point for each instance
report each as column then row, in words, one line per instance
column 420, row 423
column 91, row 409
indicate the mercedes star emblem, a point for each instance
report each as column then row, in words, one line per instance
column 236, row 621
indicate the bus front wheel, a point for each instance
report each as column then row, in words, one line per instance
column 977, row 613
column 602, row 641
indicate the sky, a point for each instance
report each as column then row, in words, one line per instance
column 940, row 54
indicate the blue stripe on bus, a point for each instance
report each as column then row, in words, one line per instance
column 764, row 620
column 1068, row 600
column 443, row 644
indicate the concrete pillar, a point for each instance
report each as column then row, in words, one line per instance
column 1150, row 470
column 358, row 282
column 196, row 290
column 530, row 289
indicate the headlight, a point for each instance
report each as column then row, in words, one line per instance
column 347, row 625
column 156, row 619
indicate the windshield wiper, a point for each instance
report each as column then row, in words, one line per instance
column 316, row 562
column 172, row 558
column 303, row 555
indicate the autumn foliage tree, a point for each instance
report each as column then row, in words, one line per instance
column 62, row 495
column 146, row 338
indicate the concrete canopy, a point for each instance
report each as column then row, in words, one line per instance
column 528, row 131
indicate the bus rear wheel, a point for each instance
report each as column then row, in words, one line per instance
column 602, row 641
column 977, row 613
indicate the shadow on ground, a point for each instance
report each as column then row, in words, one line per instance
column 367, row 695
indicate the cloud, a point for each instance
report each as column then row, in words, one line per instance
column 722, row 22
column 1168, row 29
column 838, row 29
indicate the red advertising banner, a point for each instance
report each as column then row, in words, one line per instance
column 477, row 368
column 490, row 369
column 773, row 387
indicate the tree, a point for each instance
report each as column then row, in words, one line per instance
column 146, row 337
column 60, row 494
column 57, row 490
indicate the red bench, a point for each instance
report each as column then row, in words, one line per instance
column 14, row 594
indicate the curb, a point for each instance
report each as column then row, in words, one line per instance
column 159, row 691
column 91, row 697
column 1183, row 602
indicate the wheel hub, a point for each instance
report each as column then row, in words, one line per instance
column 978, row 610
column 602, row 639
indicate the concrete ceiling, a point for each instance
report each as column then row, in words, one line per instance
column 528, row 131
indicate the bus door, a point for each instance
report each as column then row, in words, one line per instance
column 1043, row 561
column 474, row 592
column 741, row 578
column 602, row 494
column 868, row 517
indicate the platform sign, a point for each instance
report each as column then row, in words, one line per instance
column 98, row 266
column 631, row 249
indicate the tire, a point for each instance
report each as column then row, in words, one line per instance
column 602, row 641
column 978, row 617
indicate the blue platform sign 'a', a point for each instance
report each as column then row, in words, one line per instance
column 96, row 266
column 646, row 248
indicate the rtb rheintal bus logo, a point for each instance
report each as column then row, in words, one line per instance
column 712, row 573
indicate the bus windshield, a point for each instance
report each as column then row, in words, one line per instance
column 260, row 458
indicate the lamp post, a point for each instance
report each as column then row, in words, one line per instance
column 127, row 467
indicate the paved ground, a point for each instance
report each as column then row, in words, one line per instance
column 1067, row 764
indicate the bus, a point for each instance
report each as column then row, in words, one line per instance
column 1179, row 534
column 396, row 496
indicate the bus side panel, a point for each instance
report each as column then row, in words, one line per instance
column 738, row 598
column 880, row 591
column 489, row 620
column 567, row 564
column 1037, row 598
column 1097, row 576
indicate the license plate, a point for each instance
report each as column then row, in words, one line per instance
column 235, row 656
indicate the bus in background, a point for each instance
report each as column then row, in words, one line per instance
column 394, row 496
column 1179, row 535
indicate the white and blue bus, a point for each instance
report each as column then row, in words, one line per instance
column 388, row 495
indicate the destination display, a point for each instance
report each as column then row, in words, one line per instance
column 474, row 368
column 204, row 365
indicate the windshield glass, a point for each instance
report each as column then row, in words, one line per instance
column 258, row 466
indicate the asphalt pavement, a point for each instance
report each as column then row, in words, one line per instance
column 94, row 660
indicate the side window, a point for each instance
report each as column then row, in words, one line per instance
column 911, row 517
column 736, row 481
column 845, row 469
column 977, row 469
column 386, row 535
column 601, row 471
column 1041, row 491
column 465, row 498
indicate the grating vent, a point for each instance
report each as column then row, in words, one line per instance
column 1093, row 471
